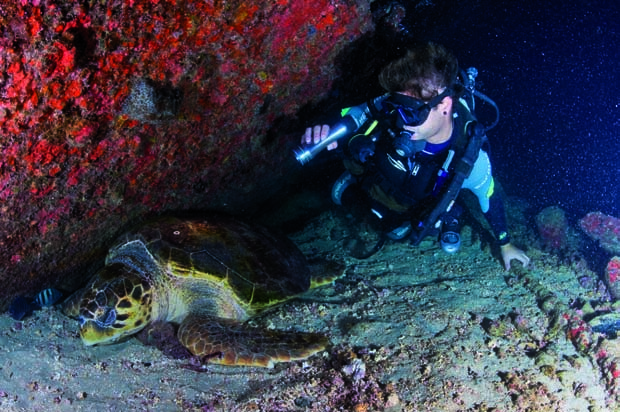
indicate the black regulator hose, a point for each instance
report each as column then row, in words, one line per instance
column 492, row 103
column 469, row 81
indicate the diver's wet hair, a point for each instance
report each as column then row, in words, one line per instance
column 423, row 71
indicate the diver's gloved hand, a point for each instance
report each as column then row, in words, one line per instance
column 510, row 252
column 316, row 134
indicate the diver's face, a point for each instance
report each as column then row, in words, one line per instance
column 437, row 128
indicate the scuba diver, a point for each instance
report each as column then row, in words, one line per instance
column 409, row 152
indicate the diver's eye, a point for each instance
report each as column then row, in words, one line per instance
column 107, row 319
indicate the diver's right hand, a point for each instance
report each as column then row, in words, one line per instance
column 316, row 134
column 510, row 252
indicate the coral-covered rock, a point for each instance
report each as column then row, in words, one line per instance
column 112, row 110
column 603, row 228
column 578, row 332
column 608, row 359
column 612, row 273
column 552, row 228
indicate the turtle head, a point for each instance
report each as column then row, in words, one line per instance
column 114, row 306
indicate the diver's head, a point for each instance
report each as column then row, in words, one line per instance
column 422, row 73
column 420, row 103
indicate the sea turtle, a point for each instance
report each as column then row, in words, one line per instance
column 208, row 276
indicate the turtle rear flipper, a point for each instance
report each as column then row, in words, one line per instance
column 228, row 342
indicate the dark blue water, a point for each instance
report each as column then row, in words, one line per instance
column 554, row 70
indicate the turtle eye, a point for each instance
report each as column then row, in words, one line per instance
column 107, row 318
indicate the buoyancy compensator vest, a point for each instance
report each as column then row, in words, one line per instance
column 420, row 186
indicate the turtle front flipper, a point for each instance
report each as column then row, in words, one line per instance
column 228, row 342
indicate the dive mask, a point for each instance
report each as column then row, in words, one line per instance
column 405, row 110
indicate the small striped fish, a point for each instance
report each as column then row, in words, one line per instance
column 47, row 297
column 22, row 306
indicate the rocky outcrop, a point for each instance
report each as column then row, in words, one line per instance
column 113, row 111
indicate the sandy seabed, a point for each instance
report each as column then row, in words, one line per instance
column 412, row 329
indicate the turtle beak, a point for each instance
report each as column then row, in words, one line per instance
column 94, row 334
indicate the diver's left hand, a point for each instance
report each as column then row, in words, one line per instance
column 510, row 252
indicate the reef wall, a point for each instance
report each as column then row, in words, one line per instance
column 112, row 111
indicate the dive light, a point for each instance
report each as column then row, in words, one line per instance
column 354, row 119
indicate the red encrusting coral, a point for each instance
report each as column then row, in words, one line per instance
column 613, row 269
column 77, row 164
column 604, row 352
column 578, row 332
column 608, row 359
